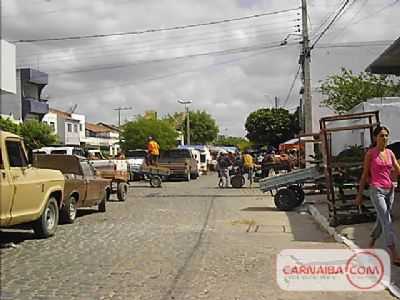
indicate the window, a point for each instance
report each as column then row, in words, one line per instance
column 80, row 127
column 52, row 126
column 16, row 154
column 69, row 127
column 75, row 127
column 87, row 169
column 1, row 161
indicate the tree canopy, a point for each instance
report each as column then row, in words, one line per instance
column 267, row 126
column 239, row 142
column 35, row 134
column 135, row 133
column 203, row 127
column 346, row 90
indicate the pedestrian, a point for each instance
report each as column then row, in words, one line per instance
column 379, row 162
column 223, row 164
column 153, row 150
column 248, row 166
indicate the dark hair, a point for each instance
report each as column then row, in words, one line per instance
column 378, row 129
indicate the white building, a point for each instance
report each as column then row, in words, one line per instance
column 65, row 126
column 102, row 136
column 389, row 113
column 8, row 75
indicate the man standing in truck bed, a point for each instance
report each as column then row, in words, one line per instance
column 153, row 150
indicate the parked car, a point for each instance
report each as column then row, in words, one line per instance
column 180, row 162
column 136, row 159
column 27, row 194
column 83, row 188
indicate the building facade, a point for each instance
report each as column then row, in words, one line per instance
column 8, row 78
column 65, row 125
column 26, row 103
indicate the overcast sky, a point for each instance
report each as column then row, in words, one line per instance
column 228, row 69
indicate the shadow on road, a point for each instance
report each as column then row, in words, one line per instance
column 261, row 208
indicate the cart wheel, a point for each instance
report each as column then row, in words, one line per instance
column 299, row 193
column 285, row 200
column 122, row 191
column 155, row 181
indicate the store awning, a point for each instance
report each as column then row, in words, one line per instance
column 388, row 62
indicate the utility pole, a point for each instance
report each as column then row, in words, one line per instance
column 305, row 59
column 119, row 113
column 187, row 125
column 276, row 102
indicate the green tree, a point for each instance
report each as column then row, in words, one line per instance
column 346, row 90
column 135, row 133
column 203, row 127
column 37, row 134
column 8, row 125
column 239, row 142
column 271, row 126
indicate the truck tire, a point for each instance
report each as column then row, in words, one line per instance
column 122, row 191
column 46, row 225
column 187, row 178
column 102, row 205
column 285, row 200
column 155, row 181
column 68, row 212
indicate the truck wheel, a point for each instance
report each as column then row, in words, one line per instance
column 102, row 205
column 155, row 181
column 187, row 176
column 68, row 212
column 299, row 193
column 46, row 225
column 122, row 191
column 285, row 200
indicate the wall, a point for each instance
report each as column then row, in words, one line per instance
column 389, row 112
column 10, row 104
column 72, row 136
column 8, row 73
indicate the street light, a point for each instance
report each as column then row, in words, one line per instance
column 186, row 103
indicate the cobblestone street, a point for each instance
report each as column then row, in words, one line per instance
column 183, row 241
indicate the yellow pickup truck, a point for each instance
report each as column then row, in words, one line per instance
column 27, row 195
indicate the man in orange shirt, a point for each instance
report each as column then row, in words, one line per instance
column 153, row 150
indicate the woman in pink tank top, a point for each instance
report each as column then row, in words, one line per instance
column 379, row 163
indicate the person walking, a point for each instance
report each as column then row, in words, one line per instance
column 379, row 163
column 248, row 166
column 223, row 164
column 153, row 150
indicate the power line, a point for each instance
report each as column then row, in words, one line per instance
column 292, row 85
column 160, row 77
column 129, row 65
column 337, row 15
column 150, row 48
column 158, row 41
column 79, row 37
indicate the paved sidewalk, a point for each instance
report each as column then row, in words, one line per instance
column 356, row 235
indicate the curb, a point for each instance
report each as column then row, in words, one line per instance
column 322, row 220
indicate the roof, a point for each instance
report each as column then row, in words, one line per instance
column 96, row 128
column 388, row 62
column 60, row 113
column 109, row 126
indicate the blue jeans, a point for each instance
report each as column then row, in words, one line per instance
column 383, row 199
